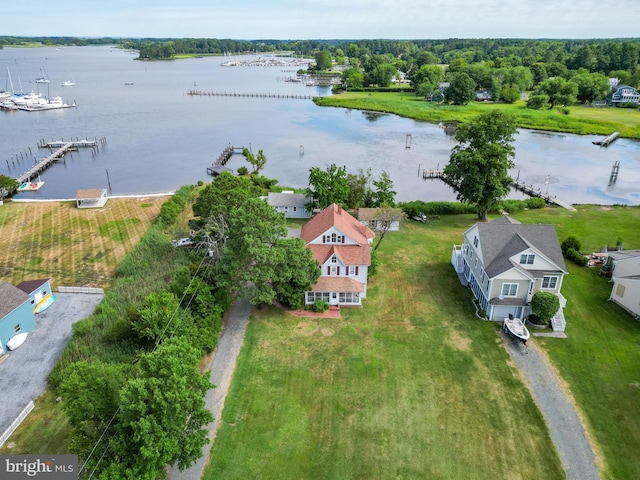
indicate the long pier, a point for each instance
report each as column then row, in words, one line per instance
column 517, row 185
column 218, row 165
column 58, row 149
column 253, row 95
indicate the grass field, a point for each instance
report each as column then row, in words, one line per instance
column 581, row 120
column 414, row 386
column 72, row 246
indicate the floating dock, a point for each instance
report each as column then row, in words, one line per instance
column 606, row 141
column 521, row 186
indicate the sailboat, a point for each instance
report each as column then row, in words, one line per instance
column 68, row 83
column 43, row 78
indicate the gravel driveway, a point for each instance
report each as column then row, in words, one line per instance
column 565, row 427
column 222, row 366
column 23, row 376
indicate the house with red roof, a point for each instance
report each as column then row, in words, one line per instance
column 342, row 247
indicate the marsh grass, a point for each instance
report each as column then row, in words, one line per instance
column 581, row 120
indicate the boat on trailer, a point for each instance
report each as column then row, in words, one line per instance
column 515, row 328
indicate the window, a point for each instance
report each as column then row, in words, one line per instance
column 352, row 270
column 295, row 209
column 334, row 259
column 482, row 277
column 33, row 302
column 527, row 259
column 475, row 242
column 549, row 281
column 349, row 297
column 620, row 290
column 17, row 328
column 313, row 296
column 334, row 270
column 509, row 289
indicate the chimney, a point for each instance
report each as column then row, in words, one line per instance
column 339, row 208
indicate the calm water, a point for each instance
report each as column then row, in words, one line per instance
column 159, row 138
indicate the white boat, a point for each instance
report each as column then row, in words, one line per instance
column 8, row 106
column 516, row 329
column 68, row 83
column 17, row 340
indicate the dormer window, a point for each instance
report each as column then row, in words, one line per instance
column 333, row 238
column 334, row 259
column 527, row 259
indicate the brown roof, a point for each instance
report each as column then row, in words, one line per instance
column 348, row 254
column 10, row 298
column 337, row 284
column 30, row 286
column 89, row 193
column 335, row 216
column 368, row 213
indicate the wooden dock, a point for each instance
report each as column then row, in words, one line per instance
column 253, row 95
column 606, row 141
column 520, row 186
column 219, row 165
column 58, row 149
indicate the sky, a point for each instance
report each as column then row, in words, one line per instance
column 324, row 19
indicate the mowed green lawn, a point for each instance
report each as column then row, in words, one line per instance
column 410, row 386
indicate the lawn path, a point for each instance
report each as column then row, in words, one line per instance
column 565, row 427
column 222, row 367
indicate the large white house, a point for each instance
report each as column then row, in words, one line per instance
column 506, row 262
column 342, row 247
column 625, row 274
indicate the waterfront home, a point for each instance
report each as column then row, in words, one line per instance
column 342, row 247
column 505, row 263
column 624, row 268
column 293, row 205
column 16, row 314
column 624, row 94
column 370, row 217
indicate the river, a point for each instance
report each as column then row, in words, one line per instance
column 159, row 138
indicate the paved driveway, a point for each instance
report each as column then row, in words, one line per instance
column 23, row 376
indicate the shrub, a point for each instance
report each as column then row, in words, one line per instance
column 544, row 305
column 570, row 242
column 533, row 318
column 243, row 170
column 535, row 202
column 320, row 306
column 576, row 257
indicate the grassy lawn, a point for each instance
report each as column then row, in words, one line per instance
column 581, row 120
column 600, row 360
column 410, row 386
column 413, row 386
column 71, row 246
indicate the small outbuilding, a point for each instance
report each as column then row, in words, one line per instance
column 36, row 289
column 16, row 314
column 91, row 198
column 293, row 205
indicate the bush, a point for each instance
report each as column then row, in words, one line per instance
column 320, row 306
column 576, row 257
column 414, row 208
column 570, row 243
column 533, row 318
column 544, row 305
column 535, row 202
column 243, row 171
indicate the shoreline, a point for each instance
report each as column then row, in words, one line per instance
column 133, row 195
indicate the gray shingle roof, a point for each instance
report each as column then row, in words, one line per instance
column 287, row 199
column 10, row 298
column 505, row 237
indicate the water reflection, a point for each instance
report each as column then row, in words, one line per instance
column 160, row 138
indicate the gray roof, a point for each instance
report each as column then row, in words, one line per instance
column 505, row 237
column 623, row 254
column 287, row 199
column 10, row 298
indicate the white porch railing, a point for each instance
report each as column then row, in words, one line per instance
column 563, row 300
column 457, row 259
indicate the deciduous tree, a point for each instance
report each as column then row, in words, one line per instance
column 328, row 186
column 479, row 165
column 461, row 90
